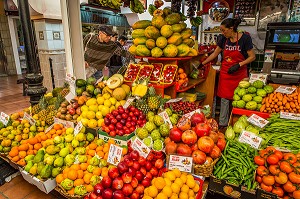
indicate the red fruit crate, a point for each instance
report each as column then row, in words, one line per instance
column 248, row 113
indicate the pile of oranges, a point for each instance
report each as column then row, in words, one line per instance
column 182, row 78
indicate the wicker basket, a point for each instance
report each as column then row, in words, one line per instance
column 205, row 169
column 61, row 190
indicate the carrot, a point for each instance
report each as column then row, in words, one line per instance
column 284, row 100
column 276, row 100
column 292, row 104
column 277, row 110
column 264, row 100
column 279, row 96
column 271, row 97
column 298, row 99
column 262, row 108
column 279, row 103
column 287, row 105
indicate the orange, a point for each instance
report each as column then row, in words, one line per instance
column 30, row 152
column 22, row 154
column 87, row 178
column 21, row 162
column 52, row 131
column 34, row 152
column 44, row 137
column 89, row 188
column 33, row 140
column 93, row 146
column 84, row 166
column 58, row 132
column 78, row 182
column 124, row 151
column 97, row 171
column 23, row 147
column 71, row 192
column 104, row 172
column 59, row 178
column 15, row 159
column 57, row 127
column 72, row 174
column 106, row 156
column 80, row 174
column 99, row 148
column 75, row 167
column 66, row 170
column 14, row 152
column 180, row 70
column 182, row 76
column 38, row 138
column 37, row 146
column 91, row 152
column 105, row 149
column 100, row 154
column 111, row 141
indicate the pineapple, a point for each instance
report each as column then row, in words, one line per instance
column 65, row 90
column 153, row 102
column 50, row 117
column 152, row 91
column 43, row 113
column 143, row 106
column 35, row 109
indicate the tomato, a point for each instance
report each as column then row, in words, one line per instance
column 259, row 160
column 274, row 169
column 279, row 154
column 291, row 158
column 298, row 156
column 266, row 187
column 272, row 159
column 289, row 187
column 268, row 180
column 285, row 167
column 262, row 171
column 263, row 153
column 296, row 194
column 296, row 166
column 276, row 184
column 287, row 197
column 278, row 191
column 294, row 178
column 258, row 179
column 281, row 178
column 270, row 149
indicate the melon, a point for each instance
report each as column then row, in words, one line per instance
column 113, row 82
column 126, row 88
column 119, row 94
column 120, row 77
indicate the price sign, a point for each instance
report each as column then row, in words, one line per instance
column 257, row 121
column 78, row 127
column 140, row 147
column 29, row 118
column 188, row 115
column 4, row 118
column 65, row 123
column 70, row 79
column 70, row 96
column 182, row 163
column 285, row 89
column 174, row 100
column 49, row 128
column 250, row 138
column 258, row 76
column 128, row 102
column 166, row 118
column 114, row 154
column 290, row 116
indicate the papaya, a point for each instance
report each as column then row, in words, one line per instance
column 150, row 43
column 152, row 32
column 161, row 42
column 158, row 22
column 170, row 50
column 167, row 11
column 183, row 50
column 176, row 28
column 166, row 31
column 156, row 52
column 141, row 24
column 132, row 49
column 190, row 42
column 186, row 33
column 183, row 26
column 140, row 41
column 192, row 53
column 138, row 33
column 173, row 18
column 142, row 50
column 175, row 39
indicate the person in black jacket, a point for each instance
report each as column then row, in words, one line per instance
column 116, row 60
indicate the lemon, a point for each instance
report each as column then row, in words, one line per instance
column 93, row 108
column 191, row 197
column 183, row 178
column 107, row 103
column 183, row 195
column 117, row 104
column 168, row 182
column 92, row 123
column 100, row 122
column 91, row 115
column 175, row 188
column 162, row 196
column 159, row 183
column 167, row 191
column 191, row 183
column 177, row 173
column 84, row 108
column 27, row 125
column 152, row 191
column 178, row 181
column 91, row 101
column 100, row 107
column 85, row 121
column 104, row 110
column 170, row 176
column 99, row 115
column 196, row 188
column 153, row 180
column 185, row 188
column 79, row 119
column 174, row 196
column 146, row 191
column 190, row 176
column 191, row 193
column 112, row 108
column 106, row 96
column 113, row 100
column 100, row 100
column 84, row 114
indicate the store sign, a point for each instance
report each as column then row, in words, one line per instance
column 174, row 100
column 290, row 116
column 66, row 124
column 285, row 89
column 250, row 138
column 128, row 102
column 114, row 154
column 29, row 118
column 166, row 118
column 70, row 96
column 140, row 147
column 49, row 128
column 4, row 118
column 261, row 77
column 257, row 121
column 70, row 79
column 182, row 163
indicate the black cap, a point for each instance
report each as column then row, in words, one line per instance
column 115, row 34
column 106, row 30
column 122, row 37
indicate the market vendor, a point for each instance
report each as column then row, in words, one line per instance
column 237, row 52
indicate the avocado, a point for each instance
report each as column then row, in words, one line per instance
column 91, row 80
column 79, row 91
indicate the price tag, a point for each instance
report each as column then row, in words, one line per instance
column 70, row 79
column 49, row 128
column 4, row 118
column 114, row 154
column 99, row 80
column 250, row 138
column 284, row 150
column 65, row 123
column 257, row 121
column 290, row 116
column 182, row 163
column 140, row 147
column 128, row 102
column 70, row 96
column 166, row 118
column 77, row 128
column 29, row 118
column 285, row 89
column 188, row 115
column 258, row 76
column 76, row 160
column 174, row 100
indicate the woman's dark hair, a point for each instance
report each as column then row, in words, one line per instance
column 231, row 23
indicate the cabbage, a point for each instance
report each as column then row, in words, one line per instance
column 234, row 104
column 258, row 107
column 239, row 126
column 252, row 129
column 244, row 119
column 258, row 99
column 236, row 97
column 242, row 92
column 241, row 104
column 261, row 92
column 236, row 90
column 252, row 105
column 244, row 84
column 247, row 98
column 229, row 133
column 251, row 89
column 269, row 89
column 258, row 84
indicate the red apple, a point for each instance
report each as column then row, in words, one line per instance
column 148, row 175
column 132, row 171
column 107, row 193
column 106, row 182
column 86, row 197
column 134, row 182
column 127, row 177
column 154, row 171
column 148, row 166
column 175, row 134
column 92, row 195
column 118, row 194
column 113, row 172
column 99, row 197
column 134, row 155
column 146, row 182
column 143, row 170
column 140, row 189
column 135, row 195
column 122, row 167
column 159, row 163
column 117, row 183
column 98, row 189
column 142, row 160
column 127, row 189
column 136, row 165
column 139, row 176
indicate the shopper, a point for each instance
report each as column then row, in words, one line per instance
column 116, row 61
column 237, row 51
column 114, row 37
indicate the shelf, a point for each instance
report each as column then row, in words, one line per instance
column 164, row 58
column 163, row 86
column 192, row 84
column 239, row 111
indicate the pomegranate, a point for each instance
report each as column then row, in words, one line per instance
column 197, row 118
column 189, row 137
column 184, row 123
column 213, row 124
column 215, row 153
column 184, row 149
column 175, row 134
column 214, row 136
column 202, row 129
column 171, row 148
column 221, row 143
column 206, row 144
column 198, row 157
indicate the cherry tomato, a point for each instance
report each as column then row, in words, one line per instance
column 272, row 159
column 296, row 194
column 278, row 191
column 281, row 178
column 262, row 171
column 258, row 179
column 274, row 169
column 291, row 158
column 266, row 187
column 289, row 187
column 259, row 160
column 285, row 167
column 279, row 154
column 294, row 178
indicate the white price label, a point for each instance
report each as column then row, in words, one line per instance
column 70, row 79
column 258, row 76
column 250, row 138
column 49, row 128
column 166, row 118
column 29, row 118
column 76, row 160
column 257, row 121
column 78, row 128
column 174, row 100
column 285, row 89
column 4, row 118
column 290, row 116
column 70, row 96
column 99, row 80
column 114, row 154
column 140, row 147
column 182, row 163
column 65, row 123
column 128, row 102
column 188, row 115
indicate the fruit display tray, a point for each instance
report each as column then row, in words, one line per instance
column 120, row 140
column 145, row 71
column 168, row 74
column 156, row 73
column 132, row 72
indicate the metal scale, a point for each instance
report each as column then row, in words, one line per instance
column 282, row 53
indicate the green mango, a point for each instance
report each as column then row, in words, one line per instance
column 28, row 166
column 46, row 172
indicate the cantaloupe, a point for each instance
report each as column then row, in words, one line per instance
column 126, row 88
column 119, row 94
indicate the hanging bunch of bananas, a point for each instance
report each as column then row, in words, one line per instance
column 114, row 4
column 136, row 6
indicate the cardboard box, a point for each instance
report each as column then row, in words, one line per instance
column 230, row 190
column 120, row 140
column 261, row 194
column 44, row 186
